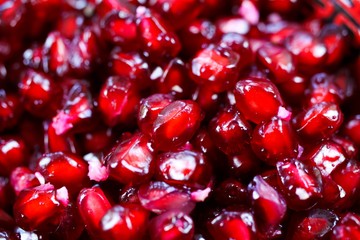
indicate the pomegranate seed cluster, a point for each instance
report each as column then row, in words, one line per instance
column 177, row 120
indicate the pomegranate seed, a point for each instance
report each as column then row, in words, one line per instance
column 58, row 143
column 352, row 129
column 93, row 205
column 176, row 124
column 128, row 221
column 23, row 178
column 244, row 165
column 269, row 206
column 230, row 192
column 183, row 168
column 274, row 140
column 157, row 40
column 172, row 225
column 257, row 99
column 216, row 67
column 150, row 108
column 348, row 227
column 10, row 110
column 13, row 153
column 77, row 110
column 319, row 121
column 316, row 223
column 278, row 60
column 230, row 131
column 52, row 166
column 118, row 101
column 233, row 25
column 160, row 197
column 38, row 208
column 98, row 140
column 232, row 225
column 119, row 28
column 70, row 24
column 132, row 160
column 41, row 95
column 351, row 150
column 300, row 183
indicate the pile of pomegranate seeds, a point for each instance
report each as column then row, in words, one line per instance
column 177, row 120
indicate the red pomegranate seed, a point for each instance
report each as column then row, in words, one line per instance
column 70, row 24
column 77, row 110
column 174, row 225
column 42, row 96
column 119, row 28
column 319, row 121
column 350, row 148
column 106, row 6
column 38, row 208
column 240, row 44
column 23, row 178
column 132, row 160
column 294, row 89
column 157, row 40
column 352, row 129
column 13, row 153
column 183, row 168
column 150, row 108
column 347, row 228
column 269, row 206
column 274, row 140
column 257, row 99
column 98, row 140
column 57, row 143
column 216, row 67
column 159, row 197
column 176, row 124
column 232, row 225
column 317, row 223
column 133, row 66
column 128, row 222
column 93, row 205
column 52, row 166
column 230, row 131
column 33, row 57
column 244, row 165
column 308, row 51
column 118, row 101
column 300, row 183
column 197, row 35
column 172, row 79
column 278, row 60
column 231, row 192
column 56, row 52
column 10, row 110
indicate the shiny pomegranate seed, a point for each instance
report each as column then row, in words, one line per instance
column 257, row 99
column 347, row 228
column 77, row 110
column 70, row 24
column 13, row 153
column 216, row 67
column 39, row 208
column 269, row 206
column 159, row 197
column 157, row 39
column 244, row 165
column 22, row 178
column 300, row 183
column 150, row 108
column 131, row 65
column 316, row 223
column 352, row 129
column 93, row 205
column 319, row 121
column 230, row 192
column 58, row 142
column 176, row 124
column 118, row 101
column 41, row 95
column 278, row 60
column 132, row 160
column 51, row 166
column 98, row 140
column 232, row 225
column 172, row 225
column 293, row 90
column 233, row 25
column 230, row 131
column 10, row 110
column 33, row 57
column 197, row 35
column 183, row 168
column 351, row 150
column 119, row 28
column 128, row 221
column 274, row 140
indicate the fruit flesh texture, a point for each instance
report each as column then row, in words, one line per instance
column 172, row 119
